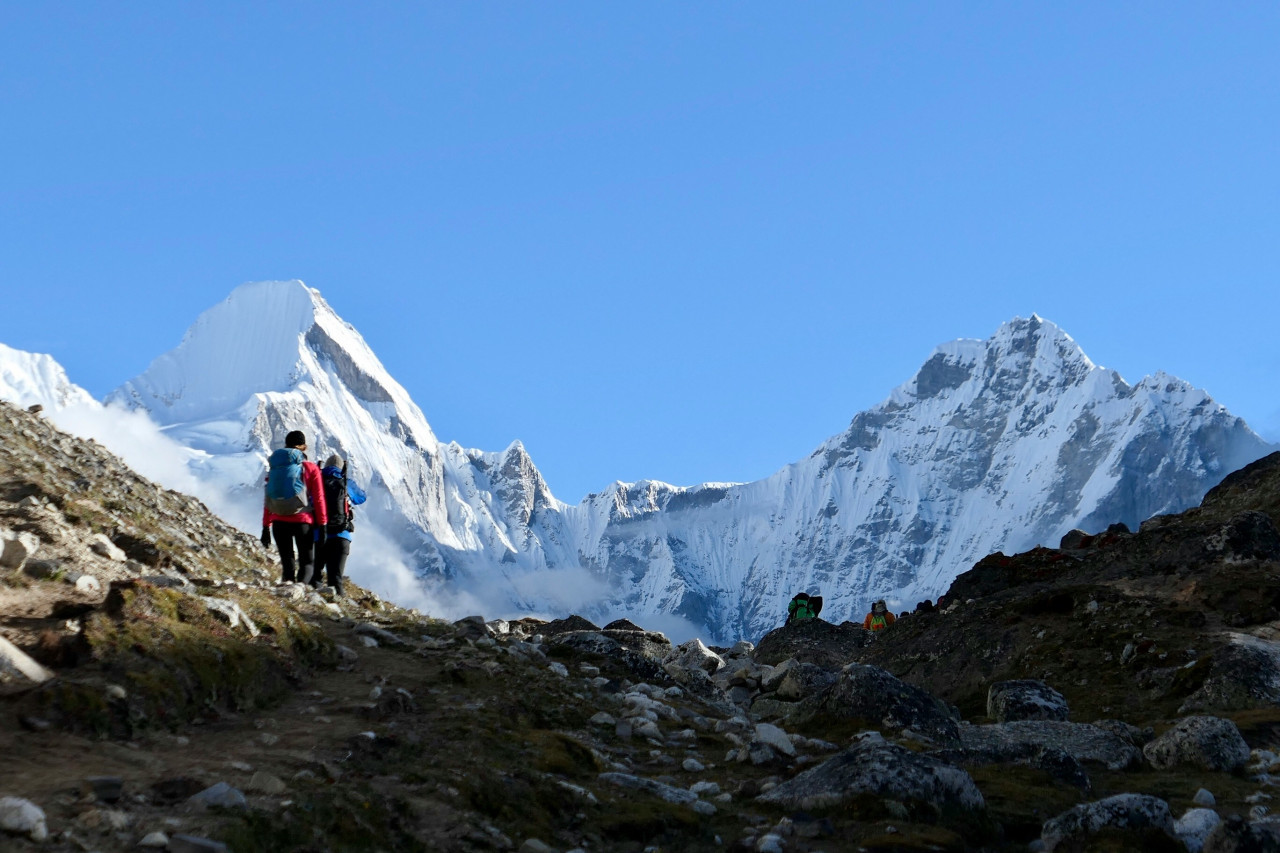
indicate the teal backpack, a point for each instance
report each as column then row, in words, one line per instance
column 286, row 490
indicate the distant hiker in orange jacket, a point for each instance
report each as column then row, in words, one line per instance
column 293, row 508
column 879, row 618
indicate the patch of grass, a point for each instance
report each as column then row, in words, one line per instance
column 1021, row 799
column 177, row 662
column 562, row 755
column 328, row 819
column 1260, row 727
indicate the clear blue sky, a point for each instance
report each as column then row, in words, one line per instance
column 678, row 241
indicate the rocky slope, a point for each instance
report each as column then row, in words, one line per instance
column 161, row 691
column 994, row 445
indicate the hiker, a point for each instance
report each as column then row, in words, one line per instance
column 879, row 618
column 293, row 508
column 340, row 494
column 803, row 606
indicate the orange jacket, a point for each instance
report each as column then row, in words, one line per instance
column 888, row 620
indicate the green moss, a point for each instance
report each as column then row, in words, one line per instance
column 562, row 755
column 178, row 662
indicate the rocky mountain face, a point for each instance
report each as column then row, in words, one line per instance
column 159, row 690
column 993, row 445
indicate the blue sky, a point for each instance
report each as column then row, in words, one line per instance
column 671, row 241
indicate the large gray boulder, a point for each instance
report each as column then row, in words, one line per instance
column 695, row 655
column 872, row 766
column 813, row 641
column 879, row 698
column 1244, row 674
column 804, row 680
column 1134, row 812
column 1085, row 743
column 641, row 652
column 1209, row 742
column 1024, row 699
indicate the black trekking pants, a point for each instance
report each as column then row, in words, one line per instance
column 286, row 534
column 336, row 550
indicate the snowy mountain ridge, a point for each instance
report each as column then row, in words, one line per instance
column 993, row 445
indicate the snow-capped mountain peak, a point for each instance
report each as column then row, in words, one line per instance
column 995, row 444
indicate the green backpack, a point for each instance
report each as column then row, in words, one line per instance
column 803, row 607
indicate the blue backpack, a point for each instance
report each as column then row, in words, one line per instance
column 286, row 490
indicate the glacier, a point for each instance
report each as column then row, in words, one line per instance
column 996, row 444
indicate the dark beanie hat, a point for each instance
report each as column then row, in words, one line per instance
column 295, row 439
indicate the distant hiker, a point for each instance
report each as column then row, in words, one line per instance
column 925, row 606
column 293, row 508
column 340, row 494
column 879, row 618
column 803, row 606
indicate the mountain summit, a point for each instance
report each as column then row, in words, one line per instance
column 994, row 444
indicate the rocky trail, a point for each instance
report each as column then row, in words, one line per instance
column 159, row 690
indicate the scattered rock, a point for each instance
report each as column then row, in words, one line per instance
column 1085, row 743
column 23, row 817
column 105, row 788
column 1209, row 742
column 15, row 663
column 812, row 641
column 874, row 766
column 666, row 792
column 104, row 547
column 1195, row 826
column 874, row 695
column 1131, row 812
column 221, row 794
column 195, row 844
column 1026, row 699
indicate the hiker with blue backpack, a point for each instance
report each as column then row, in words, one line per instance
column 340, row 495
column 293, row 509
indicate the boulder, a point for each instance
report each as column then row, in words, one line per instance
column 104, row 547
column 1208, row 742
column 17, row 548
column 1238, row 835
column 231, row 613
column 813, row 641
column 1074, row 539
column 567, row 624
column 471, row 628
column 23, row 817
column 662, row 791
column 1244, row 674
column 695, row 655
column 1248, row 536
column 1085, row 743
column 1138, row 813
column 879, row 698
column 872, row 766
column 1025, row 699
column 638, row 651
column 1195, row 826
column 804, row 680
column 775, row 738
column 17, row 664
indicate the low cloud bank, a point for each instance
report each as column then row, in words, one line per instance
column 377, row 562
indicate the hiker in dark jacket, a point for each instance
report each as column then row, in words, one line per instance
column 340, row 496
column 296, row 514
